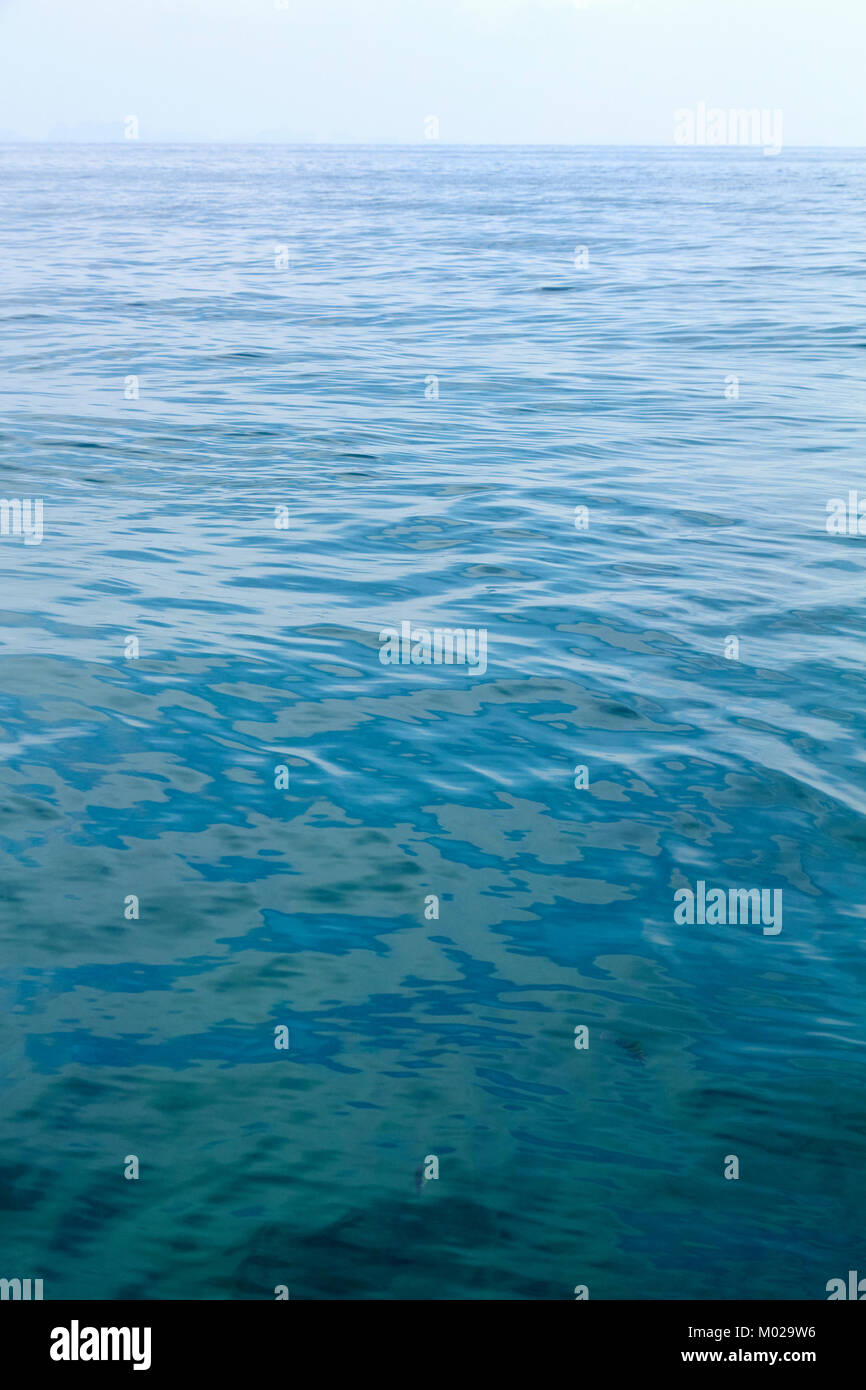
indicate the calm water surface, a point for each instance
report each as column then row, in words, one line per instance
column 307, row 387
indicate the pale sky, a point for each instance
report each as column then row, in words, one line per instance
column 491, row 71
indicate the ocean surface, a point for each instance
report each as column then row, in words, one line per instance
column 407, row 351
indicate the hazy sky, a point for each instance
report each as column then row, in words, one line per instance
column 512, row 71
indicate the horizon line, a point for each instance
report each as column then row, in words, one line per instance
column 409, row 144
